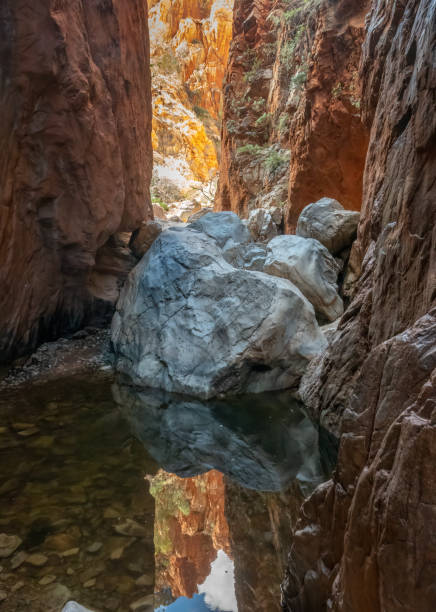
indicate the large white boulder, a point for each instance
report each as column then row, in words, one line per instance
column 189, row 322
column 309, row 265
column 328, row 222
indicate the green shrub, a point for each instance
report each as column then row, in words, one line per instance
column 202, row 113
column 232, row 126
column 167, row 63
column 250, row 149
column 252, row 74
column 258, row 104
column 157, row 200
column 299, row 78
column 283, row 123
column 263, row 120
column 274, row 160
column 337, row 90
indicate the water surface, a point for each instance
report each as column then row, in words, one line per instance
column 145, row 501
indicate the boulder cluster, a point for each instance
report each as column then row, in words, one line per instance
column 222, row 305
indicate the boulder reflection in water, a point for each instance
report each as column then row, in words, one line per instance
column 262, row 441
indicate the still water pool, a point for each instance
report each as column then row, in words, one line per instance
column 124, row 500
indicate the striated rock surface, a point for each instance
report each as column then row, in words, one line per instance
column 188, row 322
column 292, row 130
column 75, row 159
column 365, row 540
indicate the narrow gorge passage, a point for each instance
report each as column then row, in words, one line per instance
column 218, row 315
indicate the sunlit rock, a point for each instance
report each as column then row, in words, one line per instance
column 189, row 43
column 261, row 225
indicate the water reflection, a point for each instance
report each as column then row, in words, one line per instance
column 235, row 473
column 190, row 528
column 151, row 502
column 263, row 442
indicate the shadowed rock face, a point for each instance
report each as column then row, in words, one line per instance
column 262, row 450
column 75, row 160
column 365, row 539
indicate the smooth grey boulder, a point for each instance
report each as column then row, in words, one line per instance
column 309, row 265
column 189, row 322
column 261, row 225
column 247, row 256
column 226, row 229
column 328, row 222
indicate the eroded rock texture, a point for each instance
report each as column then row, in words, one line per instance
column 75, row 160
column 292, row 131
column 189, row 47
column 365, row 540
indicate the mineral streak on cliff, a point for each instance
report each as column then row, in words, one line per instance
column 365, row 540
column 292, row 131
column 189, row 49
column 75, row 160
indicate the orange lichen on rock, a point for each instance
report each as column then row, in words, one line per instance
column 189, row 48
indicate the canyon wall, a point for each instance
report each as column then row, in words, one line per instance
column 75, row 161
column 365, row 540
column 292, row 130
column 189, row 48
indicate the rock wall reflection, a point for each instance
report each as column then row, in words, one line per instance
column 234, row 476
column 190, row 528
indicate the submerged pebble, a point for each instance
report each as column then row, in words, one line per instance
column 8, row 544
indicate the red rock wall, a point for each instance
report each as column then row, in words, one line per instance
column 292, row 81
column 365, row 540
column 75, row 160
column 329, row 141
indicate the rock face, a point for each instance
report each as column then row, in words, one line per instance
column 142, row 238
column 75, row 159
column 247, row 256
column 226, row 229
column 328, row 222
column 261, row 225
column 364, row 540
column 292, row 82
column 189, row 48
column 189, row 322
column 311, row 268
